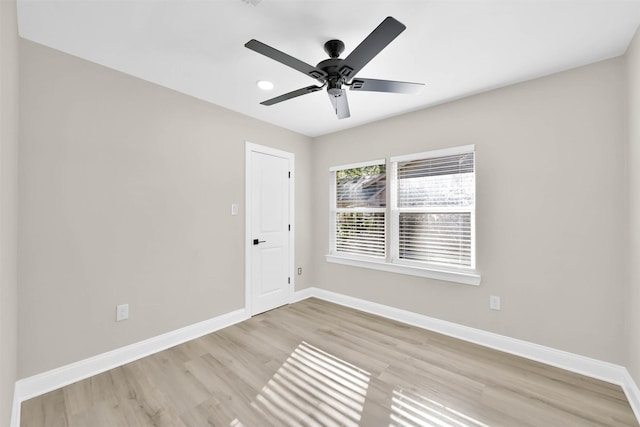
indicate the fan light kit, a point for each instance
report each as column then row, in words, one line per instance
column 335, row 72
column 264, row 84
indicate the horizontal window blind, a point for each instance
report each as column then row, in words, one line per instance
column 360, row 233
column 367, row 191
column 437, row 238
column 443, row 181
column 435, row 201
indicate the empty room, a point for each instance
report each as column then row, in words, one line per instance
column 319, row 212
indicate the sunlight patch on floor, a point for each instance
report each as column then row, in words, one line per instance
column 411, row 409
column 314, row 387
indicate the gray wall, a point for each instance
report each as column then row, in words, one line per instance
column 551, row 209
column 125, row 192
column 633, row 307
column 8, row 205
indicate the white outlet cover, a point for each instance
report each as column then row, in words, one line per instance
column 122, row 312
column 494, row 302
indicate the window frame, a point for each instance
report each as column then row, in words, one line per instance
column 391, row 262
column 395, row 211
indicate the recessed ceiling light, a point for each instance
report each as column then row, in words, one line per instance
column 264, row 84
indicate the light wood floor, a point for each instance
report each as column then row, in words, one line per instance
column 316, row 363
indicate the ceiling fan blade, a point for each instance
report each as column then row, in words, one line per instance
column 285, row 59
column 294, row 94
column 340, row 104
column 384, row 34
column 373, row 85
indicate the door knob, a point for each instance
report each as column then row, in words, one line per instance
column 257, row 242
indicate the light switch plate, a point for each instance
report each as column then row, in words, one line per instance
column 122, row 312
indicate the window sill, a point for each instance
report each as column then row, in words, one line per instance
column 465, row 277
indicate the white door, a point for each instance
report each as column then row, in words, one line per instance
column 269, row 236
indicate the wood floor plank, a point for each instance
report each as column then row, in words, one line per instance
column 315, row 363
column 140, row 394
column 46, row 410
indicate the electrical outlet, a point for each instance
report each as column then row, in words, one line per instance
column 234, row 209
column 494, row 302
column 299, row 271
column 122, row 312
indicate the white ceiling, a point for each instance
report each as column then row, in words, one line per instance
column 457, row 48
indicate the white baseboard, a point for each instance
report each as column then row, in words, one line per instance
column 632, row 392
column 39, row 384
column 303, row 294
column 594, row 368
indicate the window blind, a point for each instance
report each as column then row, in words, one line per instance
column 366, row 191
column 360, row 233
column 443, row 181
column 437, row 238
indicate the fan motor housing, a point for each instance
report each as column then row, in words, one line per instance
column 334, row 48
column 330, row 66
column 334, row 77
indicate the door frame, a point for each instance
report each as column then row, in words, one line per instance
column 249, row 149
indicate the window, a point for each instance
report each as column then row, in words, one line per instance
column 425, row 228
column 359, row 209
column 434, row 208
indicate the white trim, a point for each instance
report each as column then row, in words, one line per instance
column 332, row 208
column 15, row 410
column 357, row 165
column 465, row 277
column 303, row 294
column 251, row 148
column 632, row 392
column 392, row 237
column 435, row 153
column 39, row 384
column 247, row 226
column 593, row 368
column 360, row 210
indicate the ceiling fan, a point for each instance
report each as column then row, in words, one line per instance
column 334, row 73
